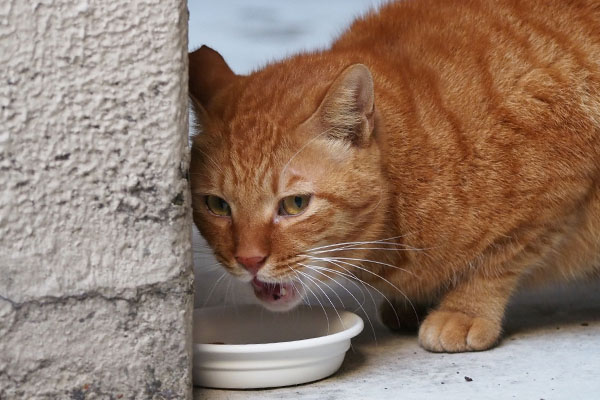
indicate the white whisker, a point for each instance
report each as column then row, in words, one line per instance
column 381, row 241
column 227, row 290
column 316, row 283
column 366, row 248
column 208, row 267
column 297, row 279
column 329, row 287
column 313, row 293
column 353, row 278
column 360, row 305
column 380, row 277
column 368, row 261
column 213, row 288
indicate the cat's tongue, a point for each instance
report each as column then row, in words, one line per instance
column 272, row 292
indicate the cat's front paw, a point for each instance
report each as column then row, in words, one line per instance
column 454, row 332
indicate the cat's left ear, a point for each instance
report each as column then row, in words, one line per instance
column 208, row 74
column 348, row 110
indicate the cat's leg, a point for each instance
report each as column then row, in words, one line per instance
column 469, row 317
column 401, row 316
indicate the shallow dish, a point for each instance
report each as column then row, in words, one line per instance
column 247, row 347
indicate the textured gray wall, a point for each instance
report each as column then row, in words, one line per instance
column 95, row 253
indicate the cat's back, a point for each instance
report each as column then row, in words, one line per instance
column 491, row 43
column 482, row 68
column 399, row 24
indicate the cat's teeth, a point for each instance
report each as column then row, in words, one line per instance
column 282, row 291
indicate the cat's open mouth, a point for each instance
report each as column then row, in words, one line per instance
column 280, row 294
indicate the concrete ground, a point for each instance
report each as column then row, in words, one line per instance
column 551, row 348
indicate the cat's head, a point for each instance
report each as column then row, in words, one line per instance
column 285, row 169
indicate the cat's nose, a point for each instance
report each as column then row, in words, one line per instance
column 252, row 264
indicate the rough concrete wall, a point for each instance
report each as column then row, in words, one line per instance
column 95, row 254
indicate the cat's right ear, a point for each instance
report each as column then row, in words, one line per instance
column 348, row 110
column 208, row 73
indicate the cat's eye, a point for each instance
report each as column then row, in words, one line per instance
column 294, row 205
column 218, row 206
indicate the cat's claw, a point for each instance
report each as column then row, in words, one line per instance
column 454, row 332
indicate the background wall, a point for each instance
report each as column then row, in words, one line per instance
column 95, row 252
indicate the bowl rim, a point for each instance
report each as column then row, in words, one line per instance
column 356, row 326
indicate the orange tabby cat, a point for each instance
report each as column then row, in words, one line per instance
column 446, row 152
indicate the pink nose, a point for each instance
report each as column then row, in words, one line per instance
column 252, row 264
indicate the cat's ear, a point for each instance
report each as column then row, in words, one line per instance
column 208, row 73
column 348, row 110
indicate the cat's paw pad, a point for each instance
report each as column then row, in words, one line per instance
column 453, row 332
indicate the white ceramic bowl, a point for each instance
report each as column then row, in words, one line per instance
column 264, row 349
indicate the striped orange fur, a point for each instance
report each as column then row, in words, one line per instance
column 455, row 143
